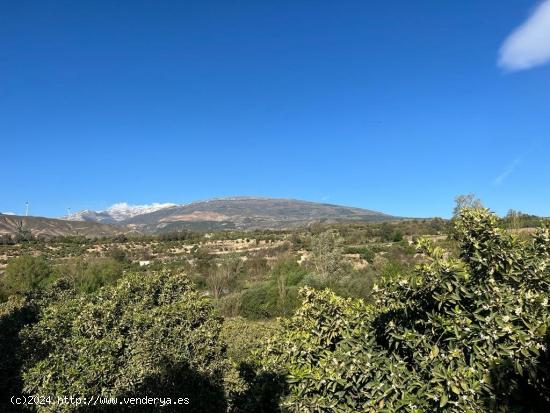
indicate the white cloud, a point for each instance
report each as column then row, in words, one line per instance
column 529, row 44
column 7, row 213
column 507, row 172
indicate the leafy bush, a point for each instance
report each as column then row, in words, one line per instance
column 365, row 253
column 230, row 305
column 26, row 273
column 262, row 390
column 88, row 275
column 327, row 260
column 460, row 335
column 244, row 337
column 144, row 336
column 358, row 285
column 259, row 301
column 15, row 314
column 275, row 297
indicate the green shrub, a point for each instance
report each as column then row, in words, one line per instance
column 88, row 275
column 459, row 335
column 365, row 253
column 290, row 270
column 244, row 337
column 262, row 390
column 259, row 301
column 358, row 285
column 26, row 273
column 144, row 336
column 230, row 304
column 15, row 314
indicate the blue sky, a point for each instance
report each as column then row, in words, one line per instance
column 393, row 106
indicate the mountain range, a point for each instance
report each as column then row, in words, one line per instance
column 234, row 213
column 116, row 213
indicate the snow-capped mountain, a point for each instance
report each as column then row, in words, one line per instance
column 117, row 212
column 231, row 213
column 122, row 210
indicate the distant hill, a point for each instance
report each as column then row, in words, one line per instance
column 236, row 213
column 246, row 213
column 39, row 226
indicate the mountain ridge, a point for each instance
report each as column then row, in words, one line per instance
column 216, row 214
column 249, row 212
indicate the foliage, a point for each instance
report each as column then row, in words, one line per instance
column 224, row 274
column 287, row 273
column 14, row 315
column 326, row 257
column 259, row 301
column 118, row 254
column 517, row 219
column 244, row 337
column 365, row 253
column 20, row 311
column 389, row 233
column 459, row 334
column 320, row 350
column 26, row 273
column 262, row 390
column 88, row 275
column 358, row 285
column 144, row 336
column 466, row 201
column 276, row 296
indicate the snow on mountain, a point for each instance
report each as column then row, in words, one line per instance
column 122, row 210
column 117, row 212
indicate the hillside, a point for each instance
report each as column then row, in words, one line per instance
column 39, row 226
column 237, row 213
column 248, row 213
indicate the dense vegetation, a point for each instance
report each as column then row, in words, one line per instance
column 373, row 317
column 459, row 334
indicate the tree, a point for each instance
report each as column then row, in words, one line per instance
column 224, row 274
column 514, row 218
column 327, row 257
column 26, row 273
column 466, row 201
column 22, row 234
column 90, row 274
column 286, row 273
column 466, row 334
column 144, row 336
column 386, row 231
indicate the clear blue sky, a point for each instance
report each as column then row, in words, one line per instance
column 394, row 106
